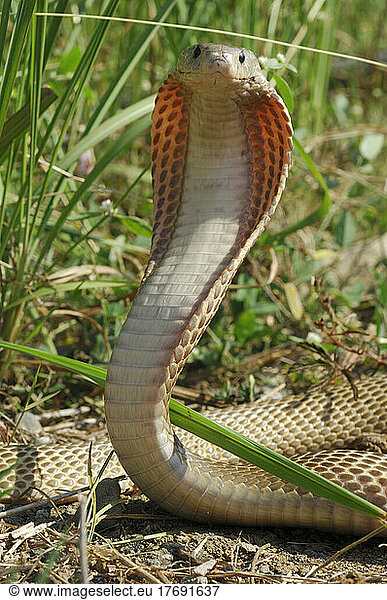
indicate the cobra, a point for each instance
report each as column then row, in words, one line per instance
column 221, row 144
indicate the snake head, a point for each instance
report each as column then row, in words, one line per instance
column 204, row 60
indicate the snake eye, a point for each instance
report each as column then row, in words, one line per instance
column 197, row 51
column 242, row 57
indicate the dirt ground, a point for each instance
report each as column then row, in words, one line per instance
column 142, row 546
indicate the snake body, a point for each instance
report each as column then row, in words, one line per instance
column 221, row 144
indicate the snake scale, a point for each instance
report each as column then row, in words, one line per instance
column 221, row 151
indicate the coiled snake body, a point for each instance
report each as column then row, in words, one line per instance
column 221, row 143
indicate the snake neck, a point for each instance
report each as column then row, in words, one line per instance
column 158, row 336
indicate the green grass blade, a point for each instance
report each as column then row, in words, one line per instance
column 326, row 28
column 269, row 460
column 137, row 51
column 54, row 24
column 105, row 131
column 120, row 145
column 317, row 215
column 136, row 225
column 37, row 36
column 44, row 292
column 83, row 69
column 19, row 123
column 310, row 164
column 285, row 91
column 4, row 25
column 97, row 374
column 226, row 438
column 70, row 99
column 97, row 224
column 23, row 19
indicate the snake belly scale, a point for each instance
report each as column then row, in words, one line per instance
column 221, row 144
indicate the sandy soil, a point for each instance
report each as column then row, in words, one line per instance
column 146, row 547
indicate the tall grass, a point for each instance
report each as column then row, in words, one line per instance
column 39, row 205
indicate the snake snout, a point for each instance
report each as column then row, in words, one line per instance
column 219, row 61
